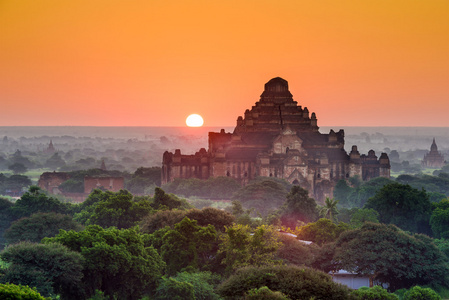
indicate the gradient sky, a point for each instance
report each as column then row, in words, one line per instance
column 153, row 62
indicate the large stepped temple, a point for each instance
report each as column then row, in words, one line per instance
column 277, row 138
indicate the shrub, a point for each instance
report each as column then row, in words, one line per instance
column 374, row 293
column 171, row 289
column 203, row 284
column 294, row 282
column 19, row 292
column 264, row 293
column 419, row 293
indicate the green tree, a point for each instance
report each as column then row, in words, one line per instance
column 362, row 215
column 264, row 293
column 322, row 231
column 241, row 247
column 37, row 226
column 203, row 284
column 170, row 201
column 119, row 210
column 213, row 216
column 262, row 194
column 55, row 161
column 35, row 200
column 342, row 191
column 216, row 217
column 221, row 187
column 187, row 245
column 160, row 219
column 20, row 159
column 298, row 207
column 419, row 293
column 296, row 252
column 295, row 282
column 12, row 291
column 361, row 193
column 13, row 182
column 18, row 168
column 374, row 293
column 172, row 289
column 393, row 256
column 443, row 245
column 118, row 262
column 329, row 209
column 87, row 208
column 144, row 178
column 402, row 206
column 6, row 218
column 51, row 268
column 439, row 220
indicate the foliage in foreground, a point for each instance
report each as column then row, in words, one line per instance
column 419, row 293
column 11, row 291
column 172, row 289
column 51, row 268
column 118, row 262
column 264, row 293
column 203, row 284
column 374, row 293
column 242, row 248
column 294, row 282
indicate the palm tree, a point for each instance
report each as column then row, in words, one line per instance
column 329, row 209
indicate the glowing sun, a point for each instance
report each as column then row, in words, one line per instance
column 194, row 120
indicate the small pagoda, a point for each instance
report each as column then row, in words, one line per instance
column 433, row 159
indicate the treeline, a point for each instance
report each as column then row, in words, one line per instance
column 142, row 181
column 355, row 193
column 120, row 246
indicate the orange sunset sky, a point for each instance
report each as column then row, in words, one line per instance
column 153, row 62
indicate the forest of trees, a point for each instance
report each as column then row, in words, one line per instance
column 121, row 246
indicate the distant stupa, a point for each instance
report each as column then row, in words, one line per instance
column 103, row 166
column 433, row 159
column 50, row 149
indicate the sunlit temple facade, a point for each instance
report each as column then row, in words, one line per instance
column 277, row 138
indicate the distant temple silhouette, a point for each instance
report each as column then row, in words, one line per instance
column 50, row 149
column 277, row 138
column 433, row 159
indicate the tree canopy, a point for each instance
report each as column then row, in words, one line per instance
column 118, row 262
column 12, row 291
column 35, row 200
column 115, row 209
column 262, row 194
column 37, row 226
column 295, row 282
column 298, row 207
column 241, row 247
column 391, row 256
column 439, row 220
column 52, row 268
column 322, row 231
column 403, row 206
column 187, row 245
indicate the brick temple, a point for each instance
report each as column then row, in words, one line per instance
column 277, row 138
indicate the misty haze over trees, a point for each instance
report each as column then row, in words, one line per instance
column 214, row 239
